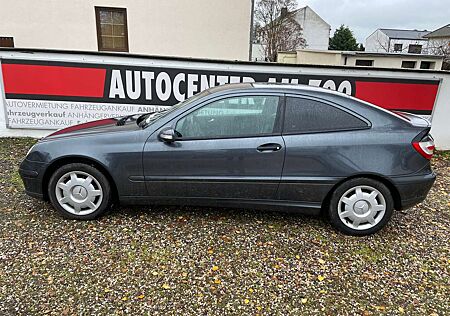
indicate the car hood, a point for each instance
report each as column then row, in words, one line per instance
column 108, row 125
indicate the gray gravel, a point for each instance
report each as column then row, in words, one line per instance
column 208, row 261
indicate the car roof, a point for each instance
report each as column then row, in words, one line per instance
column 277, row 87
column 294, row 87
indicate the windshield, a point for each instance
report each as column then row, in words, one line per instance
column 149, row 118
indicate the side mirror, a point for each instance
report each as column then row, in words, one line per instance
column 167, row 135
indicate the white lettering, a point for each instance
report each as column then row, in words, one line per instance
column 116, row 87
column 181, row 77
column 222, row 80
column 148, row 77
column 345, row 87
column 136, row 92
column 329, row 84
column 163, row 77
column 192, row 86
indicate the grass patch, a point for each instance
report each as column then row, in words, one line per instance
column 443, row 154
column 16, row 181
column 369, row 254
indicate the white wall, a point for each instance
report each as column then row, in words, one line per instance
column 195, row 28
column 315, row 30
column 377, row 42
column 258, row 53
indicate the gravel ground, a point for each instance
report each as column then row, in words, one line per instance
column 207, row 261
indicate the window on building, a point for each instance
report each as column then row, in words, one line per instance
column 364, row 62
column 415, row 49
column 6, row 41
column 112, row 33
column 408, row 64
column 398, row 47
column 310, row 116
column 427, row 65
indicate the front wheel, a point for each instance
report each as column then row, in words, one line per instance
column 360, row 206
column 79, row 191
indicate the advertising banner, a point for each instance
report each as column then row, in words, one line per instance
column 51, row 94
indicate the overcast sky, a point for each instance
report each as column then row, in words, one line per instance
column 365, row 16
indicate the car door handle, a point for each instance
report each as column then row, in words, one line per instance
column 269, row 147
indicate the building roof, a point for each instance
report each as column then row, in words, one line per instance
column 441, row 32
column 365, row 54
column 405, row 34
column 386, row 54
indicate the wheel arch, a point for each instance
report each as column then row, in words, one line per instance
column 388, row 183
column 59, row 162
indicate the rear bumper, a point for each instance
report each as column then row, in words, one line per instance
column 32, row 174
column 413, row 189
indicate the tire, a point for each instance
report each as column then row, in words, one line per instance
column 85, row 196
column 360, row 212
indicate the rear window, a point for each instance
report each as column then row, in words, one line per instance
column 306, row 116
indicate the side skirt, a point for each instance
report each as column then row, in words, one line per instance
column 274, row 205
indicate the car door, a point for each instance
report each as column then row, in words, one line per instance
column 320, row 138
column 229, row 148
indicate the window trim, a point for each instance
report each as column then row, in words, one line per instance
column 327, row 102
column 99, row 35
column 278, row 120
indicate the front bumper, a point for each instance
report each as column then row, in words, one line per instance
column 414, row 189
column 32, row 174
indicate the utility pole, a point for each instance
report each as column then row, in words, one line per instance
column 252, row 16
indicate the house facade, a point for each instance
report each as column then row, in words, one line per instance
column 439, row 43
column 217, row 29
column 316, row 31
column 397, row 41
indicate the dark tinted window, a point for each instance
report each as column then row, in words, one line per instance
column 303, row 116
column 364, row 62
column 408, row 64
column 415, row 49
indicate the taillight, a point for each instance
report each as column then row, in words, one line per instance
column 425, row 147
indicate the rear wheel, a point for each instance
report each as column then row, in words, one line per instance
column 360, row 206
column 79, row 191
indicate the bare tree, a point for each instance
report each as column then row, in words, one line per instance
column 440, row 47
column 381, row 43
column 277, row 28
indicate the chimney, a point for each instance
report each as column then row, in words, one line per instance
column 284, row 12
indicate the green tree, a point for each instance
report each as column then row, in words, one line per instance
column 343, row 39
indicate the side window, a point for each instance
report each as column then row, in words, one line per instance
column 304, row 115
column 231, row 117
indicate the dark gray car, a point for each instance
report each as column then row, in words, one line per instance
column 265, row 146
